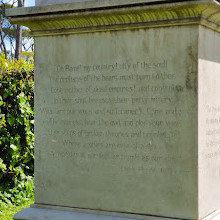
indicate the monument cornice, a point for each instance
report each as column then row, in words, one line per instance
column 72, row 18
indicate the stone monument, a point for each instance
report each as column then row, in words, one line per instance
column 127, row 109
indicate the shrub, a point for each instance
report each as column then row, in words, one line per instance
column 16, row 130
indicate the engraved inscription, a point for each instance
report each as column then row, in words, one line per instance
column 212, row 131
column 124, row 113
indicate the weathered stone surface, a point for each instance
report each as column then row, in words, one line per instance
column 116, row 118
column 209, row 120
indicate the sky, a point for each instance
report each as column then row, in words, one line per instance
column 29, row 3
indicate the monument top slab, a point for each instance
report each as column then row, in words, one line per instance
column 65, row 6
column 118, row 2
column 46, row 19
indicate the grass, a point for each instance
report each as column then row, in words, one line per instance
column 8, row 211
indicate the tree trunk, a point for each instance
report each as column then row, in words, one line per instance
column 2, row 42
column 18, row 49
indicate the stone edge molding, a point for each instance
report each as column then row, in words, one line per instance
column 49, row 212
column 99, row 3
column 57, row 212
column 68, row 18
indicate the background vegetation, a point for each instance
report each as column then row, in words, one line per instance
column 16, row 115
column 8, row 211
column 16, row 132
column 14, row 38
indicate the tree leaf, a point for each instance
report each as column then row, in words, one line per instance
column 1, row 101
column 11, row 120
column 13, row 147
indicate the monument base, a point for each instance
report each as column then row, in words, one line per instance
column 42, row 212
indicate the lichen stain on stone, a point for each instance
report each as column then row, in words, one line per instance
column 191, row 81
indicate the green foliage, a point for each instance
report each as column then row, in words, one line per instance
column 27, row 55
column 10, row 32
column 7, row 211
column 16, row 130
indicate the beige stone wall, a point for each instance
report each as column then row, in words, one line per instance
column 127, row 106
column 116, row 121
column 209, row 121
